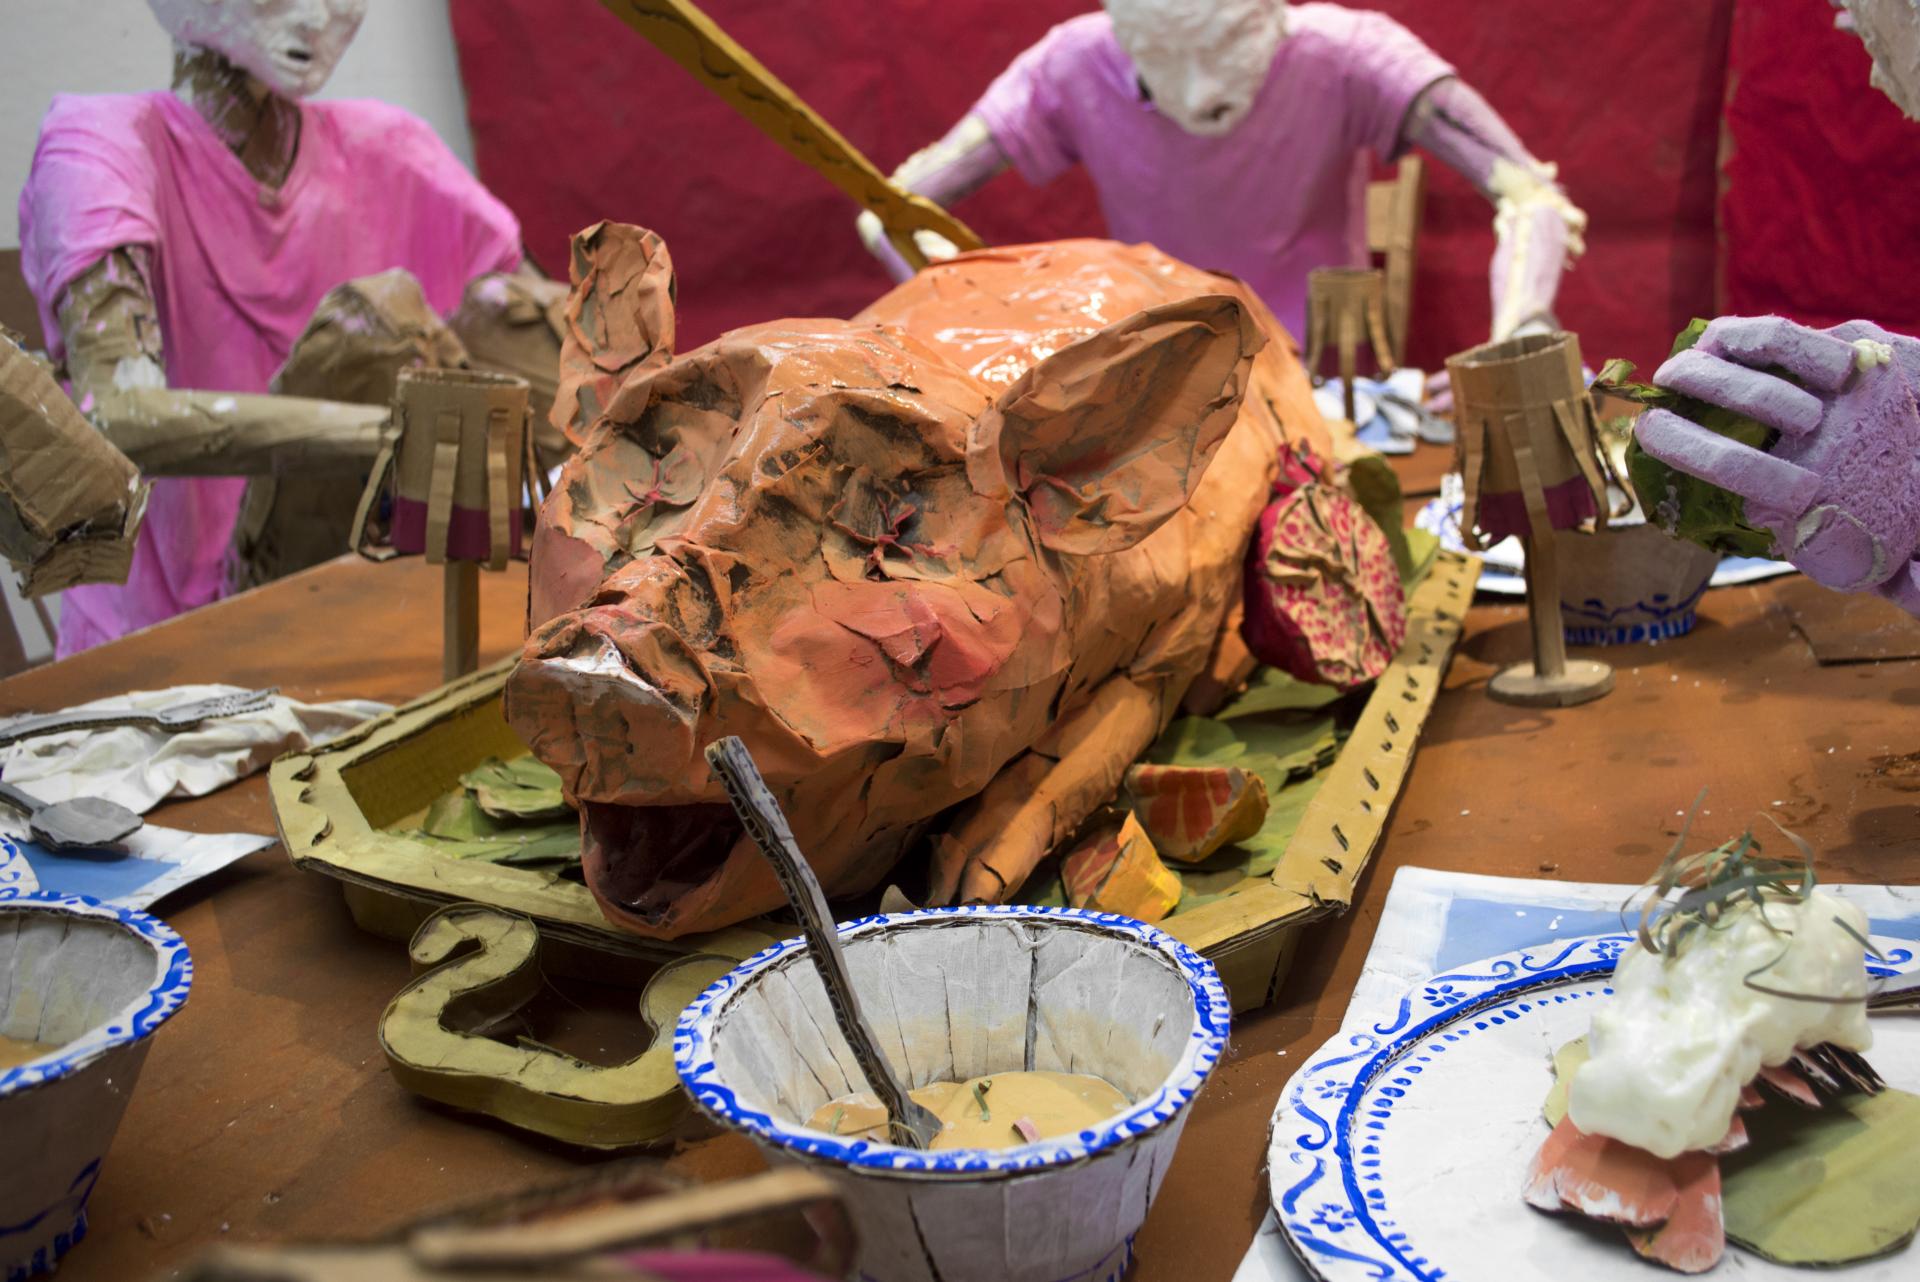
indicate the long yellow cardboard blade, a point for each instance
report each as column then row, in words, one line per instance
column 687, row 35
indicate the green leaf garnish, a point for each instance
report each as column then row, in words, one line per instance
column 1694, row 895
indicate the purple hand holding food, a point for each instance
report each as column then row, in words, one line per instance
column 1840, row 487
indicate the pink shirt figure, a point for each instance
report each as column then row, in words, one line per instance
column 237, row 270
column 1279, row 196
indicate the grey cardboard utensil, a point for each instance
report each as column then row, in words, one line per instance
column 84, row 823
column 760, row 814
column 182, row 717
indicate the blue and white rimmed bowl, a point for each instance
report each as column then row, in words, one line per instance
column 93, row 983
column 955, row 993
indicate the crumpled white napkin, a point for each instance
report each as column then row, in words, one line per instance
column 139, row 767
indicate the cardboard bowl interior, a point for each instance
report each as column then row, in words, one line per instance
column 1630, row 584
column 957, row 993
column 90, row 983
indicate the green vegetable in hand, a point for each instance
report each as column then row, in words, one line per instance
column 1682, row 505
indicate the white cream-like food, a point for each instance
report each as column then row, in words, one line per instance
column 1669, row 1052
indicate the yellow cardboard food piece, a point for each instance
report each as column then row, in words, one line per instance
column 1116, row 870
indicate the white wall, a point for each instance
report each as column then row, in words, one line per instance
column 403, row 54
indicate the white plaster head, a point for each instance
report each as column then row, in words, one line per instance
column 1891, row 31
column 1204, row 61
column 291, row 46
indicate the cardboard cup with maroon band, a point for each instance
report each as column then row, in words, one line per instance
column 460, row 468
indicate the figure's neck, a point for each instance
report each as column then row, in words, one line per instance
column 259, row 126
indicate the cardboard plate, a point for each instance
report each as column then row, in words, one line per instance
column 334, row 803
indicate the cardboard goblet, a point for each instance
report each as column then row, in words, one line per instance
column 1345, row 306
column 1526, row 447
column 462, row 472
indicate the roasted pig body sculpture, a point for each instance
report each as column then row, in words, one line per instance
column 948, row 567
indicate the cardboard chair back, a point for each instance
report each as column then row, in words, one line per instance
column 1394, row 211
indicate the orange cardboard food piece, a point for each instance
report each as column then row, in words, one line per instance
column 1694, row 1237
column 1190, row 812
column 1785, row 1081
column 1602, row 1178
column 967, row 550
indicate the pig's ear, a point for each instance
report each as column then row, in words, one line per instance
column 616, row 325
column 1108, row 437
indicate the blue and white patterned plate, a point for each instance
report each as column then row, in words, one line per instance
column 1398, row 1151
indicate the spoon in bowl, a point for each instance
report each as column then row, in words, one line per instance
column 760, row 814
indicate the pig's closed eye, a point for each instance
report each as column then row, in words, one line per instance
column 658, row 492
column 888, row 534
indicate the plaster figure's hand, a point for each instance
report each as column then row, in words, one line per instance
column 1538, row 231
column 933, row 246
column 1840, row 488
column 953, row 168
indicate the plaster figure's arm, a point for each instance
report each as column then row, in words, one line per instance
column 1538, row 229
column 955, row 167
column 115, row 361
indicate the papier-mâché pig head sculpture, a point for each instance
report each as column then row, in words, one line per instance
column 968, row 547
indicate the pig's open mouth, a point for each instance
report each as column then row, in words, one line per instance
column 643, row 859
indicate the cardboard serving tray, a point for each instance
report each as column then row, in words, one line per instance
column 332, row 804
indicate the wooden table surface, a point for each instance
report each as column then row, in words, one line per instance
column 265, row 1110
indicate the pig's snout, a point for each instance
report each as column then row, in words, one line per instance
column 614, row 703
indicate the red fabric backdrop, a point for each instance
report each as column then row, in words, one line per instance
column 1623, row 95
column 575, row 118
column 1821, row 212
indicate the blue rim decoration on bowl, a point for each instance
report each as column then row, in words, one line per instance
column 1386, row 1253
column 16, row 874
column 693, row 1055
column 167, row 993
column 1594, row 622
column 1633, row 633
